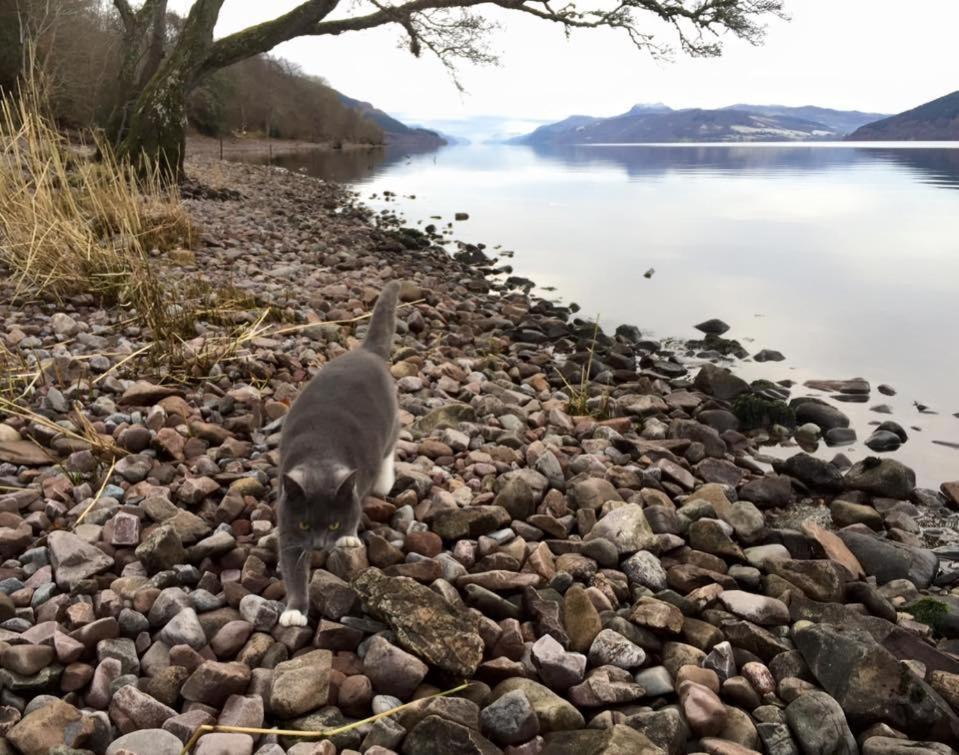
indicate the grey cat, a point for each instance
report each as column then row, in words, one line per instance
column 336, row 448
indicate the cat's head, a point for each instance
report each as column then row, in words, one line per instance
column 320, row 505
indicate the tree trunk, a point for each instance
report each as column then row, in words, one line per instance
column 156, row 134
column 143, row 38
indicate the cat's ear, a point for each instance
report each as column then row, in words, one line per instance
column 346, row 489
column 294, row 484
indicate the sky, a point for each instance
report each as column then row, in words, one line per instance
column 867, row 55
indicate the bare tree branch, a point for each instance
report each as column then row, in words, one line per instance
column 126, row 13
column 264, row 37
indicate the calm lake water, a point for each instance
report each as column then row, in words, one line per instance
column 843, row 257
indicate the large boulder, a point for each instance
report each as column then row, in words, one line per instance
column 442, row 634
column 887, row 560
column 719, row 382
column 816, row 474
column 823, row 415
column 871, row 685
column 886, row 478
column 820, row 726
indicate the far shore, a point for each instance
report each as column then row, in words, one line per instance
column 197, row 145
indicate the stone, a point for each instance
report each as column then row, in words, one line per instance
column 301, row 685
column 618, row 739
column 834, row 548
column 557, row 668
column 213, row 682
column 224, row 744
column 606, row 685
column 823, row 415
column 845, row 513
column 437, row 736
column 146, row 742
column 870, row 684
column 73, row 560
column 143, row 393
column 184, row 629
column 702, row 708
column 657, row 615
column 710, row 536
column 887, row 478
column 626, row 527
column 755, row 608
column 44, row 728
column 130, row 709
column 819, row 724
column 895, row 746
column 392, row 670
column 713, row 327
column 580, row 618
column 243, row 710
column 26, row 660
column 719, row 383
column 645, row 569
column 592, row 493
column 815, row 473
column 442, row 634
column 612, row 649
column 510, row 719
column 889, row 560
column 472, row 521
column 820, row 579
column 554, row 713
column 25, row 453
column 161, row 549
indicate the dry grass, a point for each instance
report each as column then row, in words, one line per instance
column 73, row 225
column 70, row 224
column 579, row 395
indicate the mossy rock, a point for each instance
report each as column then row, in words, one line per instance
column 930, row 612
column 755, row 412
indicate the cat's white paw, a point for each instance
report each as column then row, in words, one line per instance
column 292, row 618
column 350, row 541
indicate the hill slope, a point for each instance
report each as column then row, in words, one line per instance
column 396, row 132
column 843, row 121
column 644, row 124
column 934, row 121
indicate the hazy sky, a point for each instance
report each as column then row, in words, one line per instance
column 875, row 55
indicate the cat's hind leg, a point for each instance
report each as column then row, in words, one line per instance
column 386, row 476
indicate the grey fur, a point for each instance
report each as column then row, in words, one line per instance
column 336, row 436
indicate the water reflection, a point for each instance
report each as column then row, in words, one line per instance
column 843, row 257
column 347, row 165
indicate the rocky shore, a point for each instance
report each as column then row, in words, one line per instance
column 584, row 526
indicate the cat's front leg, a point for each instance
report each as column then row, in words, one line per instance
column 348, row 541
column 295, row 565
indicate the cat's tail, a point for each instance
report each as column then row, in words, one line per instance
column 379, row 337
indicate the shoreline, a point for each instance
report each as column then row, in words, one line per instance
column 198, row 146
column 610, row 551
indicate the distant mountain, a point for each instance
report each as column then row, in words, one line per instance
column 843, row 121
column 481, row 129
column 737, row 123
column 396, row 132
column 935, row 121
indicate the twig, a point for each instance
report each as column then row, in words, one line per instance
column 103, row 486
column 322, row 734
column 123, row 361
column 304, row 326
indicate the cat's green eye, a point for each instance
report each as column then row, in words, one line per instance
column 335, row 526
column 304, row 525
